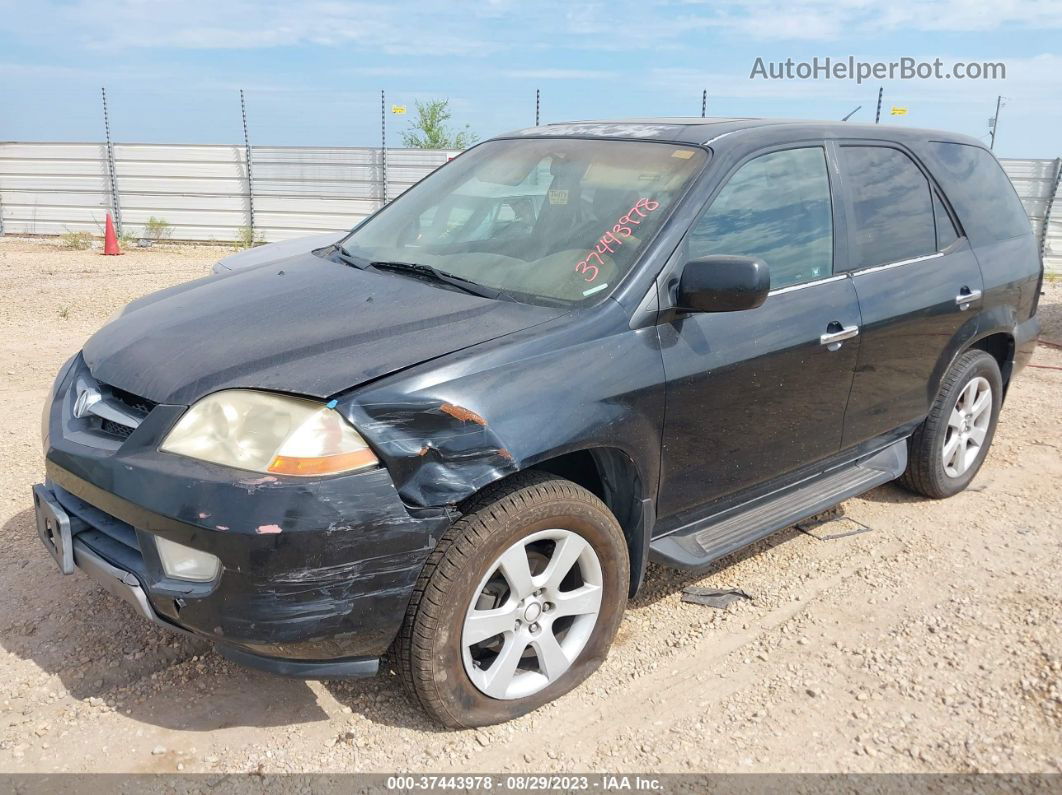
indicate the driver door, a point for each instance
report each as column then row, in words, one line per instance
column 757, row 394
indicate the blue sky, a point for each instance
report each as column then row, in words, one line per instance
column 313, row 69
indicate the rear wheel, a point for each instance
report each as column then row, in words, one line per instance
column 947, row 450
column 517, row 604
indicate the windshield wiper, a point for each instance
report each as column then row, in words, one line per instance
column 357, row 262
column 461, row 283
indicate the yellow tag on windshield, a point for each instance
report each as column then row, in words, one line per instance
column 557, row 196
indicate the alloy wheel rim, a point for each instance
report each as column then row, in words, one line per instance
column 967, row 427
column 532, row 614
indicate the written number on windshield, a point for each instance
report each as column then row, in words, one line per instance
column 615, row 235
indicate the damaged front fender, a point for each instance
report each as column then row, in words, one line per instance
column 446, row 429
column 437, row 452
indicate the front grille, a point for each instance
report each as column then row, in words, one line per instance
column 114, row 429
column 135, row 403
column 110, row 538
column 104, row 415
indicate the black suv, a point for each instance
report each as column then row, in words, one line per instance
column 457, row 436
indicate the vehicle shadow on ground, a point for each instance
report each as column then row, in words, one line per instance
column 895, row 494
column 100, row 649
column 661, row 581
column 109, row 658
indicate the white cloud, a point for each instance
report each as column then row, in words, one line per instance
column 557, row 74
column 432, row 27
column 443, row 27
column 835, row 20
column 1032, row 84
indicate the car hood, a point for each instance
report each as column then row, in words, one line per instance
column 271, row 252
column 304, row 325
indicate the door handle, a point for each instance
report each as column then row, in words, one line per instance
column 833, row 339
column 966, row 297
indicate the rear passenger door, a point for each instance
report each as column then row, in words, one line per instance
column 918, row 283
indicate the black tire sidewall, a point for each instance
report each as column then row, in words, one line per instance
column 466, row 704
column 976, row 364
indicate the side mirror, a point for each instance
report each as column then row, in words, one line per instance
column 722, row 283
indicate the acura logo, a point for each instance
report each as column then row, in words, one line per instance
column 87, row 397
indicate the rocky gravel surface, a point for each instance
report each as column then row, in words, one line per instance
column 930, row 643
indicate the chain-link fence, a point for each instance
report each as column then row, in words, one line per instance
column 200, row 192
column 207, row 192
column 1037, row 183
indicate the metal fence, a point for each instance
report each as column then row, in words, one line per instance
column 204, row 192
column 1037, row 183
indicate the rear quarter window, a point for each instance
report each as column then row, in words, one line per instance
column 980, row 192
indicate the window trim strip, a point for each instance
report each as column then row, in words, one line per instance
column 889, row 265
column 794, row 287
column 873, row 269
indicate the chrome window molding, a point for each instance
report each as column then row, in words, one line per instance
column 794, row 287
column 888, row 265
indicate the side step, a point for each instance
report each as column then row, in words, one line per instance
column 697, row 545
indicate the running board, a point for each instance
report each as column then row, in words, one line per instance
column 698, row 544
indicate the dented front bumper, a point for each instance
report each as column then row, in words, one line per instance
column 316, row 573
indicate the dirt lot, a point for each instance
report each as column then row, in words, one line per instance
column 932, row 643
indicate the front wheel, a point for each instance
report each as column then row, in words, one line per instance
column 517, row 604
column 947, row 450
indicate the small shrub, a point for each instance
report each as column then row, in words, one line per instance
column 157, row 229
column 246, row 237
column 429, row 131
column 78, row 241
column 64, row 312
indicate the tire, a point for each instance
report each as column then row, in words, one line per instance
column 928, row 473
column 431, row 654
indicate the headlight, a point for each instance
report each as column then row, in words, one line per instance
column 185, row 563
column 265, row 432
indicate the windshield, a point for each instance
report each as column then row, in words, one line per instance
column 561, row 220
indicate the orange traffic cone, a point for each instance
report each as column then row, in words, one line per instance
column 110, row 240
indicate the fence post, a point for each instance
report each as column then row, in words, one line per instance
column 1, row 208
column 1050, row 205
column 250, row 172
column 115, row 204
column 995, row 123
column 383, row 149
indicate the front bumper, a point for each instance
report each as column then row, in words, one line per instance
column 316, row 573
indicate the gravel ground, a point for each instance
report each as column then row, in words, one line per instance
column 931, row 643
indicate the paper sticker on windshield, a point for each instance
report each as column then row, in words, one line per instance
column 557, row 196
column 683, row 154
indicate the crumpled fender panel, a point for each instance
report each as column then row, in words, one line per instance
column 437, row 452
column 446, row 430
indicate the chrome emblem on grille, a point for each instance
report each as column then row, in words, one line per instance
column 87, row 397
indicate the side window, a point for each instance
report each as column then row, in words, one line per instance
column 946, row 234
column 980, row 192
column 775, row 207
column 892, row 203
